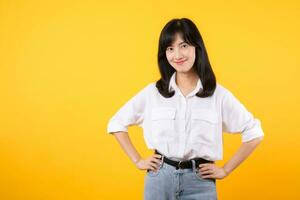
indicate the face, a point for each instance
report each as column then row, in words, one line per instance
column 181, row 55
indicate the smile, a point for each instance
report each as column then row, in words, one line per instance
column 180, row 63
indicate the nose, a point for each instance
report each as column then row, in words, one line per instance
column 178, row 55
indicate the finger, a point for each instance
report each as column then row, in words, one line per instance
column 156, row 155
column 156, row 161
column 205, row 168
column 207, row 176
column 154, row 165
column 207, row 172
column 151, row 168
column 204, row 165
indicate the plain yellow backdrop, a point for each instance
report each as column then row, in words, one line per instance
column 67, row 66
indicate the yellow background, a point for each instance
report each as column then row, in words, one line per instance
column 67, row 66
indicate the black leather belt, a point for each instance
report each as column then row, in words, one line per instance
column 184, row 164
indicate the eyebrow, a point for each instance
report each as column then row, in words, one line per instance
column 180, row 43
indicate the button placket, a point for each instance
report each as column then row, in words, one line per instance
column 183, row 133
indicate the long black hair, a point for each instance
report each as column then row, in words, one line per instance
column 191, row 35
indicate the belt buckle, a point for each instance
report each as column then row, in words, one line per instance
column 178, row 166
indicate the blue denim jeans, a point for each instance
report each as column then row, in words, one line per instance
column 182, row 184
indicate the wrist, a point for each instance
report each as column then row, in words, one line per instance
column 227, row 172
column 135, row 161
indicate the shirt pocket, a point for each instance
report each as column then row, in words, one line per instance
column 204, row 123
column 162, row 124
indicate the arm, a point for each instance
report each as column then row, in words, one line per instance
column 244, row 151
column 236, row 119
column 132, row 113
column 213, row 171
column 127, row 146
column 149, row 163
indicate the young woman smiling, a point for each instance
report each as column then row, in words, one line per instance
column 183, row 116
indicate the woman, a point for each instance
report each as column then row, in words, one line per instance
column 183, row 116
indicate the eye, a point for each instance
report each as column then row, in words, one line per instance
column 185, row 45
column 169, row 49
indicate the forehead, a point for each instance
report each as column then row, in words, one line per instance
column 178, row 39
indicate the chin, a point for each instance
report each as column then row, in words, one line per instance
column 183, row 70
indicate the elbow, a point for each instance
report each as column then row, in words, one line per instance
column 259, row 139
column 255, row 141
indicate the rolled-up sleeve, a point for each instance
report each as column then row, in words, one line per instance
column 237, row 119
column 131, row 113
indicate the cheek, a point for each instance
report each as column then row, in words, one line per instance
column 168, row 56
column 192, row 56
column 192, row 52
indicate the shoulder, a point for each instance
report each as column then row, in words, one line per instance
column 221, row 90
column 227, row 97
column 149, row 87
column 146, row 89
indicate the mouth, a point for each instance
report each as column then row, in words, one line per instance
column 180, row 62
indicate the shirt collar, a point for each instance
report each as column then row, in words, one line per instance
column 173, row 86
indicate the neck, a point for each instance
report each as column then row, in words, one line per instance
column 186, row 80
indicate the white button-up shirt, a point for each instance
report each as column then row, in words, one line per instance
column 184, row 127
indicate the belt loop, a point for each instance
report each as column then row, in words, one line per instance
column 194, row 165
column 162, row 161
